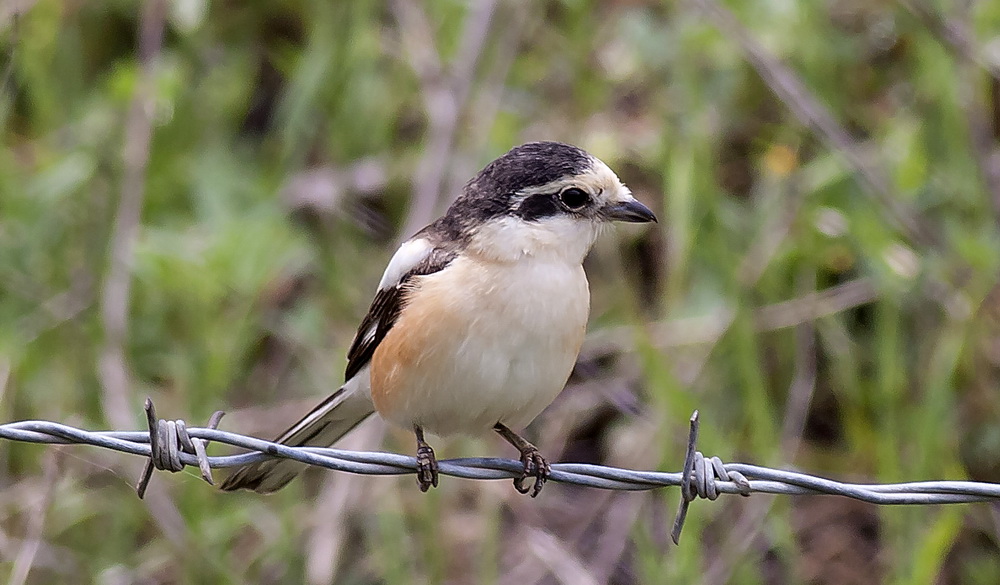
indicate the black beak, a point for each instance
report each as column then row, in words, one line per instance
column 630, row 211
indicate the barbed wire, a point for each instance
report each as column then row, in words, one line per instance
column 172, row 446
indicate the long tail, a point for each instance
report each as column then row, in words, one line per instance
column 329, row 421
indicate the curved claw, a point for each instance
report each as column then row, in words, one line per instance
column 534, row 466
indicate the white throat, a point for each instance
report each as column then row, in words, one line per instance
column 509, row 239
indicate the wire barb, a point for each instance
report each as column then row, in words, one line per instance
column 167, row 440
column 686, row 497
column 698, row 479
column 171, row 445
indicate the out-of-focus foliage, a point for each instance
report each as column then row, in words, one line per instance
column 293, row 143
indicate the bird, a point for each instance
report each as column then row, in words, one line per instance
column 479, row 317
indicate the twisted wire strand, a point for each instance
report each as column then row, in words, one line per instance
column 172, row 445
column 762, row 479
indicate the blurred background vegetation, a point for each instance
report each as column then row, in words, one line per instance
column 197, row 199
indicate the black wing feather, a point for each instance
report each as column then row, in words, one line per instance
column 385, row 310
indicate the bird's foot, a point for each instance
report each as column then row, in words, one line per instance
column 534, row 466
column 427, row 465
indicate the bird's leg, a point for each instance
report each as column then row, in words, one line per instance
column 427, row 465
column 534, row 464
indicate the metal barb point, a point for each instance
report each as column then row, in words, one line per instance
column 168, row 440
column 686, row 493
column 147, row 471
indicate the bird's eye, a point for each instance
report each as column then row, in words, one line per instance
column 574, row 198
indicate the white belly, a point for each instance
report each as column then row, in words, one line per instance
column 470, row 351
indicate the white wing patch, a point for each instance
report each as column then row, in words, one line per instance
column 369, row 335
column 408, row 255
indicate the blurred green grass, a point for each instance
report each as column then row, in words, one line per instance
column 287, row 143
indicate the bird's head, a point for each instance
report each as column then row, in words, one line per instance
column 541, row 199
